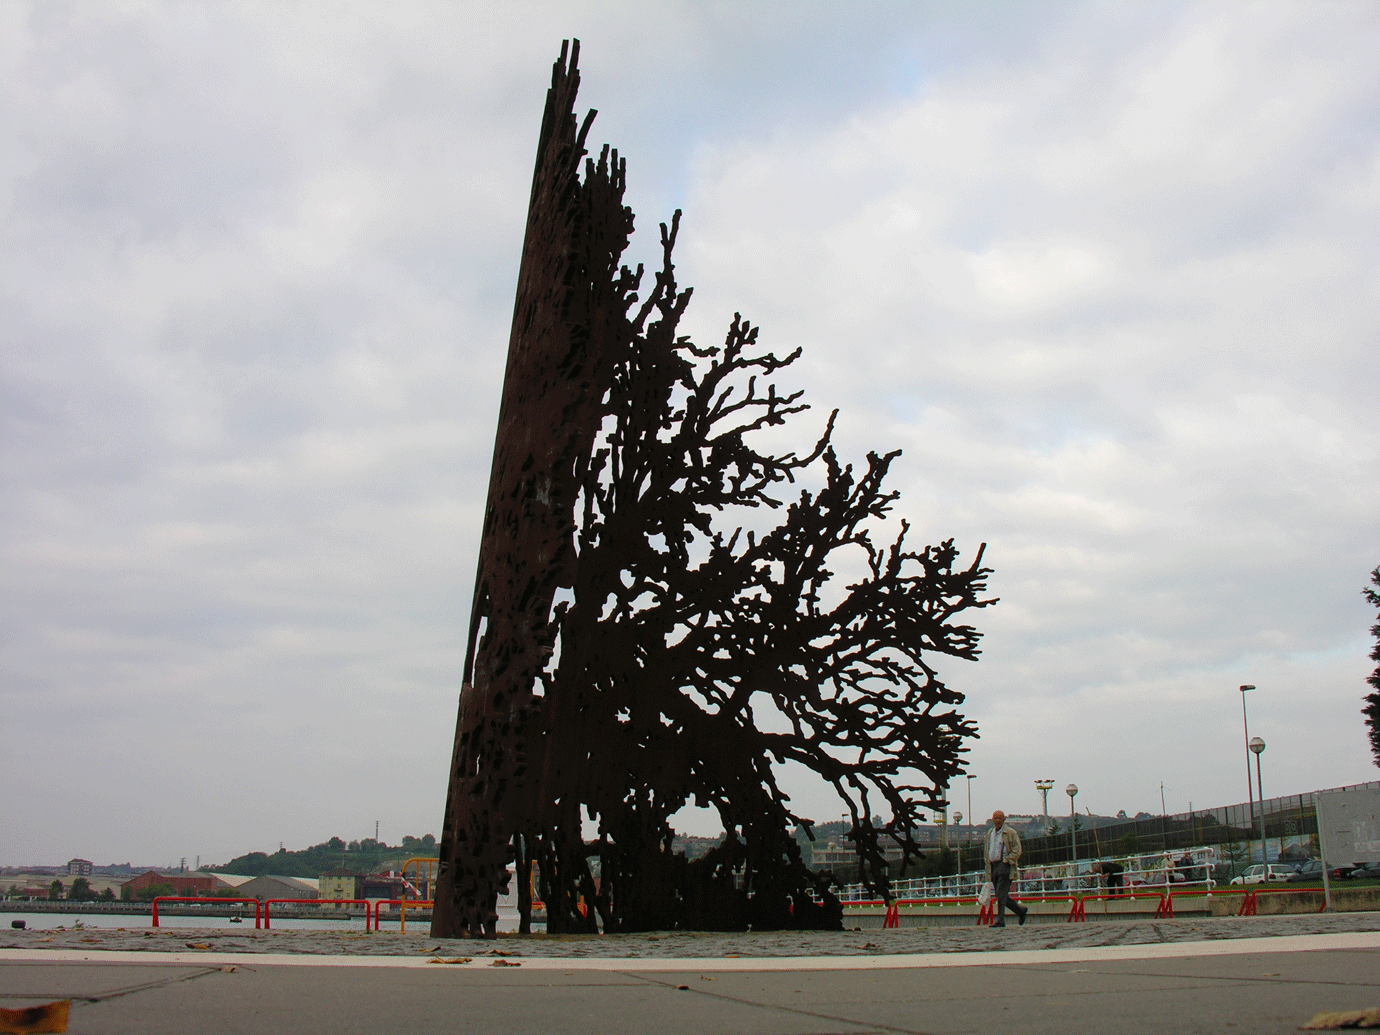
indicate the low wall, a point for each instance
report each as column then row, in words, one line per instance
column 1130, row 907
column 68, row 906
column 1271, row 902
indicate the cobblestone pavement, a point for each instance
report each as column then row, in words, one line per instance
column 680, row 945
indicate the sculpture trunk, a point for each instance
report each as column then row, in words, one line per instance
column 547, row 419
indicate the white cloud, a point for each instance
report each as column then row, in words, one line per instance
column 1108, row 275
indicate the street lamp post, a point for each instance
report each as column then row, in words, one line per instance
column 958, row 821
column 1072, row 791
column 1258, row 746
column 969, row 777
column 944, row 822
column 970, row 804
column 1246, row 737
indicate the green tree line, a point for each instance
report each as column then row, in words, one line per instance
column 366, row 856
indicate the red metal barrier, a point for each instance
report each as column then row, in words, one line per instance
column 1123, row 895
column 403, row 903
column 987, row 914
column 318, row 902
column 1166, row 910
column 891, row 918
column 1286, row 891
column 193, row 898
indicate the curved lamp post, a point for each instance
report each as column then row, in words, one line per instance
column 1072, row 791
column 1246, row 739
column 1258, row 746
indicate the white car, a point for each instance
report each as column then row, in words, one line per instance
column 1256, row 874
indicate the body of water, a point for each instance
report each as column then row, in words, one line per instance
column 507, row 921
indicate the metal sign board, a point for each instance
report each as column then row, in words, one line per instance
column 1349, row 825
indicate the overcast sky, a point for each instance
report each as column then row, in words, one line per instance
column 1107, row 273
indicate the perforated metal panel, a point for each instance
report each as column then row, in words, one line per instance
column 1349, row 825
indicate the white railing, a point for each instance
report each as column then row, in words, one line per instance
column 1152, row 872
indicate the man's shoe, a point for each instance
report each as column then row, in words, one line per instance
column 1021, row 915
column 1000, row 923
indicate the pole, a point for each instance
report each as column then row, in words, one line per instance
column 1164, row 813
column 958, row 818
column 1250, row 791
column 970, row 811
column 1322, row 854
column 1073, row 835
column 1264, row 860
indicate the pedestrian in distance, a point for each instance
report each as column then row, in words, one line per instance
column 1184, row 868
column 1112, row 871
column 1002, row 851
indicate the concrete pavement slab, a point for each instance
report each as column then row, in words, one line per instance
column 479, row 958
column 1263, row 985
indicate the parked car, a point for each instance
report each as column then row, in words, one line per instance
column 1370, row 871
column 1257, row 874
column 1310, row 870
column 1341, row 872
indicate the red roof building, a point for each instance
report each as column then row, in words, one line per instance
column 182, row 883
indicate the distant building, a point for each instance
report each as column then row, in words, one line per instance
column 831, row 856
column 341, row 883
column 229, row 881
column 387, row 886
column 78, row 867
column 185, row 884
column 268, row 886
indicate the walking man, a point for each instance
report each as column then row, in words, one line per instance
column 1003, row 853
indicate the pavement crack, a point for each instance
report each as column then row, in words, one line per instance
column 864, row 1027
column 1218, row 978
column 146, row 986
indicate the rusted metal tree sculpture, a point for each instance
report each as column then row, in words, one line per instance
column 621, row 447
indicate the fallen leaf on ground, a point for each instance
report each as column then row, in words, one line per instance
column 453, row 959
column 196, row 945
column 434, row 948
column 682, row 988
column 1345, row 1019
column 504, row 963
column 502, row 952
column 45, row 1018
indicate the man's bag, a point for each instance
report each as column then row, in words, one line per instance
column 986, row 894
